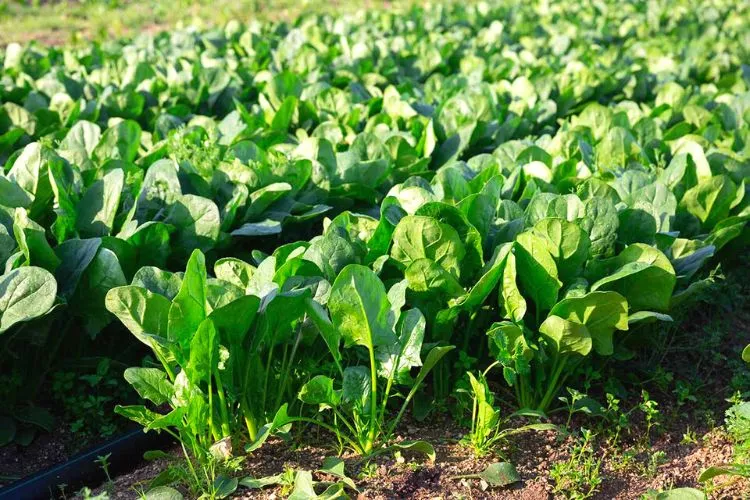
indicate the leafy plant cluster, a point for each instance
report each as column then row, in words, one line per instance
column 304, row 223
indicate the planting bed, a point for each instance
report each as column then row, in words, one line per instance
column 483, row 250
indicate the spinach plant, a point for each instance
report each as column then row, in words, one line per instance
column 386, row 343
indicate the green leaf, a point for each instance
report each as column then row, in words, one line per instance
column 152, row 241
column 360, row 309
column 158, row 281
column 566, row 336
column 36, row 416
column 710, row 200
column 234, row 320
column 428, row 277
column 472, row 262
column 422, row 447
column 266, row 227
column 280, row 419
column 163, row 493
column 171, row 419
column 197, row 222
column 399, row 358
column 150, row 383
column 641, row 274
column 142, row 312
column 567, row 243
column 357, row 388
column 648, row 317
column 188, row 309
column 25, row 293
column 491, row 276
column 303, row 487
column 224, row 486
column 511, row 300
column 32, row 242
column 75, row 257
column 537, row 271
column 30, row 171
column 500, row 474
column 235, row 271
column 204, row 352
column 419, row 237
column 601, row 312
column 601, row 222
column 319, row 391
column 120, row 142
column 331, row 335
column 137, row 413
column 746, row 354
column 98, row 207
column 681, row 494
column 256, row 484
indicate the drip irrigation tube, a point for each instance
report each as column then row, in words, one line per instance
column 126, row 452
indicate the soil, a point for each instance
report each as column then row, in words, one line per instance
column 533, row 455
column 45, row 451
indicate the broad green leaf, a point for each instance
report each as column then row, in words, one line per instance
column 473, row 260
column 601, row 312
column 163, row 493
column 710, row 200
column 224, row 486
column 188, row 309
column 150, row 383
column 158, row 281
column 418, row 237
column 197, row 222
column 137, row 413
column 98, row 207
column 204, row 352
column 427, row 276
column 356, row 389
column 360, row 309
column 120, row 142
column 280, row 419
column 641, row 274
column 144, row 313
column 266, row 227
column 7, row 430
column 234, row 271
column 491, row 276
column 75, row 257
column 396, row 360
column 567, row 243
column 681, row 494
column 422, row 447
column 601, row 222
column 537, row 272
column 234, row 319
column 319, row 391
column 511, row 300
column 500, row 474
column 25, row 293
column 262, row 482
column 33, row 243
column 303, row 487
column 566, row 336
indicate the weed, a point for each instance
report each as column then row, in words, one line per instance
column 651, row 414
column 103, row 461
column 578, row 477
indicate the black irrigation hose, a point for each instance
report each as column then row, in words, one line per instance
column 83, row 470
